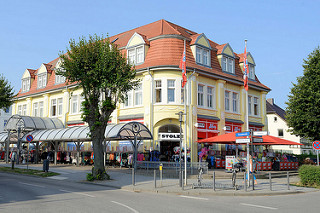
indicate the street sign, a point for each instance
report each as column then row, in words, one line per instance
column 260, row 133
column 257, row 140
column 243, row 140
column 29, row 138
column 316, row 145
column 242, row 134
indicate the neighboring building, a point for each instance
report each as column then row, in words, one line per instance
column 4, row 116
column 277, row 126
column 215, row 93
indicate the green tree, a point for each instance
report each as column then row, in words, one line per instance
column 103, row 73
column 303, row 110
column 6, row 93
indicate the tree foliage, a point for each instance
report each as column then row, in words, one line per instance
column 303, row 110
column 103, row 73
column 6, row 93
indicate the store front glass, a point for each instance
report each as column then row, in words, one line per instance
column 169, row 138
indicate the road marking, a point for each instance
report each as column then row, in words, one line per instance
column 57, row 177
column 125, row 206
column 197, row 198
column 62, row 190
column 29, row 184
column 264, row 207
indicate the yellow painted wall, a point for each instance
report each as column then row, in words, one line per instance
column 227, row 50
column 135, row 40
column 203, row 42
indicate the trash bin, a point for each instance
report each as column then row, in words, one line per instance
column 45, row 165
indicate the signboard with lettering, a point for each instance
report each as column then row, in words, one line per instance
column 169, row 136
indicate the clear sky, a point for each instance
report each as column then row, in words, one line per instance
column 280, row 33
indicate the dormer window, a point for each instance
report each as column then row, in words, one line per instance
column 60, row 79
column 42, row 80
column 136, row 55
column 25, row 84
column 228, row 64
column 251, row 71
column 203, row 56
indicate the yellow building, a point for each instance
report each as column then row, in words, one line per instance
column 215, row 100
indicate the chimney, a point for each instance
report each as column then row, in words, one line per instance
column 271, row 101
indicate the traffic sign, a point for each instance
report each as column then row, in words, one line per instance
column 242, row 134
column 260, row 133
column 243, row 140
column 29, row 138
column 316, row 145
column 257, row 140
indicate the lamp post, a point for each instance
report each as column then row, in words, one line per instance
column 180, row 163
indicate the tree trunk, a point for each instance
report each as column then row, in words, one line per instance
column 99, row 169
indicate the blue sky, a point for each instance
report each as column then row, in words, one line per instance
column 280, row 33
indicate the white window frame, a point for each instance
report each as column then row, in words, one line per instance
column 203, row 56
column 232, row 100
column 35, row 109
column 171, row 84
column 19, row 109
column 59, row 106
column 60, row 79
column 53, row 107
column 74, row 104
column 200, row 99
column 24, row 109
column 228, row 64
column 136, row 55
column 251, row 71
column 25, row 84
column 138, row 98
column 158, row 91
column 210, row 97
column 41, row 109
column 254, row 105
column 42, row 80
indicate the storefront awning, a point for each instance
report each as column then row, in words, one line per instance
column 230, row 138
column 125, row 131
column 28, row 123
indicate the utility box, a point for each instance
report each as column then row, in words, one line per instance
column 45, row 165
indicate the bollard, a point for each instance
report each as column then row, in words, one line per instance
column 160, row 169
column 214, row 181
column 252, row 181
column 288, row 182
column 182, row 184
column 245, row 181
column 133, row 179
column 155, row 178
column 270, row 181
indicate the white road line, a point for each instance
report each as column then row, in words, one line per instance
column 29, row 184
column 125, row 206
column 264, row 207
column 62, row 190
column 197, row 198
column 57, row 177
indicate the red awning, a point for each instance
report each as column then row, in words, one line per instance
column 230, row 138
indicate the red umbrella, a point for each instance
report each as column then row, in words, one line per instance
column 230, row 138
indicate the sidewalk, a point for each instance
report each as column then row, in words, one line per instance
column 121, row 178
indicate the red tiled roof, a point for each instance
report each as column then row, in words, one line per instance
column 164, row 51
column 32, row 73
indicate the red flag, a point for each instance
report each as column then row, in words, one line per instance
column 245, row 69
column 183, row 66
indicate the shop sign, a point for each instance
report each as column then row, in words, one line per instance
column 169, row 136
column 230, row 160
column 243, row 140
column 260, row 133
column 257, row 140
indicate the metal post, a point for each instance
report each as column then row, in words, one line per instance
column 214, row 181
column 317, row 157
column 18, row 145
column 160, row 168
column 245, row 181
column 7, row 147
column 135, row 159
column 180, row 166
column 133, row 183
column 155, row 178
column 270, row 181
column 288, row 181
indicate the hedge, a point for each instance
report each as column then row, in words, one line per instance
column 309, row 175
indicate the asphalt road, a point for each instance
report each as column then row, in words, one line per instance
column 32, row 194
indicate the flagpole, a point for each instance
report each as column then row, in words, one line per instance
column 247, row 110
column 185, row 123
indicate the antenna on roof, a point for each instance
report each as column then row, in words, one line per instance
column 114, row 40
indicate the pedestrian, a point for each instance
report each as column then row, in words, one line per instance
column 13, row 159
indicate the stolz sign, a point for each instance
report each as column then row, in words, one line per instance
column 169, row 136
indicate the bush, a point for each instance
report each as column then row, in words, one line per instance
column 90, row 177
column 99, row 176
column 310, row 175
